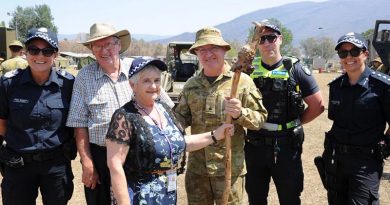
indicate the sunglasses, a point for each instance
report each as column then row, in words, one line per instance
column 47, row 52
column 354, row 52
column 271, row 38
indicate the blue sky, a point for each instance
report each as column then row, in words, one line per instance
column 157, row 17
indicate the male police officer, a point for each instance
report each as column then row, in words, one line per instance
column 202, row 106
column 16, row 61
column 275, row 150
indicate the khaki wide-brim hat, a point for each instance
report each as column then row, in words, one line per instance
column 209, row 36
column 100, row 30
column 377, row 59
column 16, row 43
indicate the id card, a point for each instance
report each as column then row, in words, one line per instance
column 172, row 178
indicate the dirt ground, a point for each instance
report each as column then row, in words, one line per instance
column 313, row 193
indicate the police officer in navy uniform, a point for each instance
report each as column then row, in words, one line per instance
column 34, row 106
column 275, row 150
column 359, row 108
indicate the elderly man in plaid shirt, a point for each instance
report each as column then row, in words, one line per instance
column 100, row 88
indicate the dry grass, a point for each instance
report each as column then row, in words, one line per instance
column 313, row 192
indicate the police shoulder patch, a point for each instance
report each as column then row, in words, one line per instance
column 381, row 77
column 306, row 70
column 65, row 74
column 12, row 73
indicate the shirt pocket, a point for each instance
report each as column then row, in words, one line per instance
column 21, row 114
column 99, row 109
column 58, row 112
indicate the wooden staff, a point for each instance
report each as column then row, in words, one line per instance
column 244, row 61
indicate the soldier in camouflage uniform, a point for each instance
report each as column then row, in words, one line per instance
column 203, row 106
column 16, row 60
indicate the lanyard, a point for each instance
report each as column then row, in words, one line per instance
column 161, row 131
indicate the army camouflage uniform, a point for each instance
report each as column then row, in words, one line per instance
column 12, row 64
column 201, row 107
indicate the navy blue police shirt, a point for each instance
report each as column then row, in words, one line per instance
column 35, row 114
column 359, row 112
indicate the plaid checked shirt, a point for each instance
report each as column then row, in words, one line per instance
column 95, row 98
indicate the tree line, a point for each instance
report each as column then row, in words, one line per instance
column 40, row 16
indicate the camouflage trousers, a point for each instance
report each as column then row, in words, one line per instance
column 204, row 190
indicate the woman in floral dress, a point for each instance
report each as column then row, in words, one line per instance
column 145, row 144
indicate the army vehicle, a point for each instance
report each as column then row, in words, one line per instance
column 181, row 66
column 381, row 41
column 6, row 36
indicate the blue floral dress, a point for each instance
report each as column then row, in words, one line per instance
column 151, row 187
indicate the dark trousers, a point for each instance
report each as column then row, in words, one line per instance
column 353, row 179
column 53, row 178
column 287, row 173
column 101, row 194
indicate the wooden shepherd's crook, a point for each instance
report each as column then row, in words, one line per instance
column 244, row 61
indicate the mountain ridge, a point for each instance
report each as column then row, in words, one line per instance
column 335, row 17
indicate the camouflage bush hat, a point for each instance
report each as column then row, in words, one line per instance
column 354, row 38
column 43, row 33
column 206, row 36
column 16, row 43
column 140, row 63
column 100, row 30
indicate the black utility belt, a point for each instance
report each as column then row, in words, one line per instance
column 43, row 156
column 270, row 141
column 17, row 160
column 351, row 149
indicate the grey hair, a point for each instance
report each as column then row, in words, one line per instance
column 134, row 79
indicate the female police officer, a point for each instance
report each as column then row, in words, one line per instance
column 33, row 109
column 359, row 107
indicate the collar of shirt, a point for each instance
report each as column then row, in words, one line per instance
column 226, row 73
column 53, row 78
column 363, row 79
column 123, row 69
column 271, row 67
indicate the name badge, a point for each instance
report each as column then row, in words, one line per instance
column 172, row 178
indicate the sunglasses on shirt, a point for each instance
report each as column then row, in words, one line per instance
column 47, row 52
column 354, row 52
column 271, row 38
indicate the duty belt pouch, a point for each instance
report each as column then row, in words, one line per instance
column 382, row 148
column 10, row 158
column 298, row 136
column 70, row 149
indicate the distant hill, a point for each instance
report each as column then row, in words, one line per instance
column 145, row 37
column 336, row 17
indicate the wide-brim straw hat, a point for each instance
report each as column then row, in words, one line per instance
column 100, row 30
column 209, row 36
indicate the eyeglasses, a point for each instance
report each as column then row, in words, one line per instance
column 271, row 38
column 107, row 46
column 212, row 49
column 355, row 52
column 47, row 52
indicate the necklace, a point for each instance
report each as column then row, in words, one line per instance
column 162, row 131
column 158, row 124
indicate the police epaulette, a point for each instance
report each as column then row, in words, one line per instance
column 381, row 77
column 335, row 79
column 12, row 73
column 65, row 74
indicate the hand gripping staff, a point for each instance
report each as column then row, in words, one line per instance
column 244, row 61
